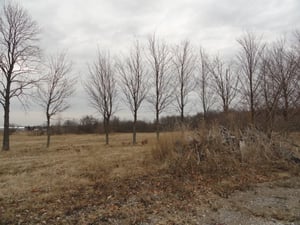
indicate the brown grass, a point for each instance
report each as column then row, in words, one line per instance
column 30, row 173
column 72, row 159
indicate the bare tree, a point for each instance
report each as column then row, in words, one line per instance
column 18, row 55
column 249, row 60
column 204, row 80
column 56, row 88
column 225, row 82
column 160, row 61
column 279, row 85
column 284, row 66
column 184, row 61
column 297, row 53
column 133, row 83
column 101, row 89
column 271, row 91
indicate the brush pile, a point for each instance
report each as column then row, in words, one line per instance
column 220, row 151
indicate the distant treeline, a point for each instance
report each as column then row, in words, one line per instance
column 91, row 125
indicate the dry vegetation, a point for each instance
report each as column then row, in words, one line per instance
column 79, row 180
column 214, row 152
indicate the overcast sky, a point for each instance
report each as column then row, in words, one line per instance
column 80, row 26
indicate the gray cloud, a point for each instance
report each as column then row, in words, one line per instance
column 80, row 26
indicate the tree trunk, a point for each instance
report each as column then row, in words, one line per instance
column 204, row 112
column 225, row 109
column 286, row 109
column 182, row 104
column 182, row 116
column 157, row 125
column 203, row 102
column 252, row 113
column 134, row 128
column 226, row 115
column 269, row 122
column 106, row 130
column 252, row 99
column 5, row 146
column 157, row 105
column 48, row 131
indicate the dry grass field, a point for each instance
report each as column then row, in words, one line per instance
column 79, row 180
column 32, row 176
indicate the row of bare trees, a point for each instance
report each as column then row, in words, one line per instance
column 262, row 77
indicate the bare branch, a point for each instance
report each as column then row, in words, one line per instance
column 225, row 82
column 249, row 59
column 53, row 93
column 101, row 88
column 161, row 96
column 283, row 67
column 204, row 83
column 133, row 82
column 184, row 62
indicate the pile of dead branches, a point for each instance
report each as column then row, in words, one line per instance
column 221, row 151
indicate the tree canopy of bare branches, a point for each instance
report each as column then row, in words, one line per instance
column 184, row 62
column 204, row 83
column 225, row 82
column 279, row 82
column 55, row 89
column 284, row 68
column 249, row 59
column 133, row 82
column 160, row 62
column 18, row 55
column 101, row 88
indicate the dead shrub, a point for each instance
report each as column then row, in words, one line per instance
column 218, row 151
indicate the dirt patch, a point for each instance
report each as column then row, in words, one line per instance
column 276, row 202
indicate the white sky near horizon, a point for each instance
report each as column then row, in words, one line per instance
column 80, row 27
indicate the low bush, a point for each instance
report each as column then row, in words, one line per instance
column 217, row 151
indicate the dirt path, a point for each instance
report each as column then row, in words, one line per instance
column 270, row 203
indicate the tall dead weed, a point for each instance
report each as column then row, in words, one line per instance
column 219, row 152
